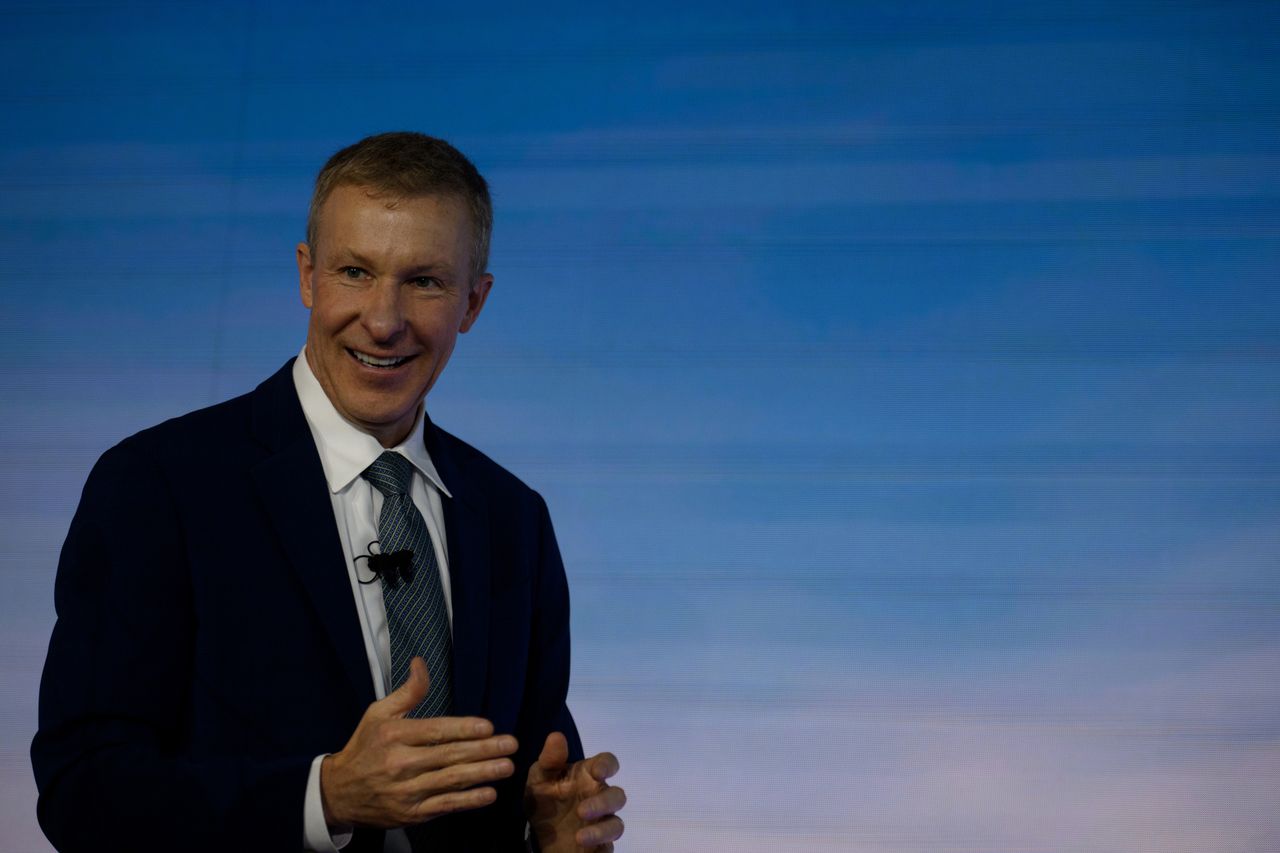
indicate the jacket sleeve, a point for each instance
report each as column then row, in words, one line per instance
column 112, row 757
column 549, row 672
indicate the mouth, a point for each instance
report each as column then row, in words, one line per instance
column 377, row 362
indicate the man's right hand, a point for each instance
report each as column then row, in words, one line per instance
column 397, row 771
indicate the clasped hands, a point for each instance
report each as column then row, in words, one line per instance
column 397, row 771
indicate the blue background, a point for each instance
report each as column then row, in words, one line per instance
column 903, row 378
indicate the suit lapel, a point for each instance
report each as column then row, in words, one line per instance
column 296, row 496
column 466, row 522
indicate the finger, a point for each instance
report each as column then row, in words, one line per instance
column 459, row 776
column 407, row 696
column 603, row 766
column 454, row 801
column 555, row 752
column 430, row 731
column 607, row 802
column 424, row 759
column 604, row 832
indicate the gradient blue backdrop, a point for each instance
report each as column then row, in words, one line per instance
column 903, row 378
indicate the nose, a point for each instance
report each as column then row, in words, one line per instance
column 383, row 317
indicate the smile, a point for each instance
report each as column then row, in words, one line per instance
column 374, row 361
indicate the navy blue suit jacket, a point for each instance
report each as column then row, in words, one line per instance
column 207, row 645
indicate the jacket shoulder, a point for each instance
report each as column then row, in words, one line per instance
column 239, row 427
column 195, row 433
column 481, row 471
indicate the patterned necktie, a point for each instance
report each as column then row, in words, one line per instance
column 416, row 616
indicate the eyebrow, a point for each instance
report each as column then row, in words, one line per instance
column 351, row 255
column 342, row 256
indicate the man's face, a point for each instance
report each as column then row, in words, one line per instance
column 390, row 287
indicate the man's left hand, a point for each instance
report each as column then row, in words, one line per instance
column 572, row 807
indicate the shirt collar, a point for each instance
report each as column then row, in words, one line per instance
column 345, row 450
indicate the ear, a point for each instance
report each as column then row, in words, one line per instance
column 305, row 269
column 479, row 292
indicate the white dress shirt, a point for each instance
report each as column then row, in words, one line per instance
column 345, row 452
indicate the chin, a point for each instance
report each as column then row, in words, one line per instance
column 386, row 420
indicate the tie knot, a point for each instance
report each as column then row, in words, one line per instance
column 390, row 474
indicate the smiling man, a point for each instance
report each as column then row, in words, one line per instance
column 390, row 283
column 308, row 617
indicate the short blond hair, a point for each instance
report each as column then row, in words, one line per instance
column 404, row 164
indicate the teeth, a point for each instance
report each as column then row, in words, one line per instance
column 378, row 362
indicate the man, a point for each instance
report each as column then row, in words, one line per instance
column 308, row 617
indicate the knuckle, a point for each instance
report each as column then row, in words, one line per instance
column 435, row 728
column 399, row 763
column 454, row 779
column 429, row 807
column 448, row 754
column 491, row 769
column 459, row 784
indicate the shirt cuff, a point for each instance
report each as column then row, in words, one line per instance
column 315, row 832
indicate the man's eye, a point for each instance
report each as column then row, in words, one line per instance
column 352, row 273
column 425, row 282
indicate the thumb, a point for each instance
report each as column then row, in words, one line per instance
column 555, row 752
column 409, row 695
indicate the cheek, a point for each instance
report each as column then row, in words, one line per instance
column 331, row 314
column 436, row 331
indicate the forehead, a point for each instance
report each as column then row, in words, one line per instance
column 351, row 203
column 366, row 220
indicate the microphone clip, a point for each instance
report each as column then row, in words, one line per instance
column 392, row 567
